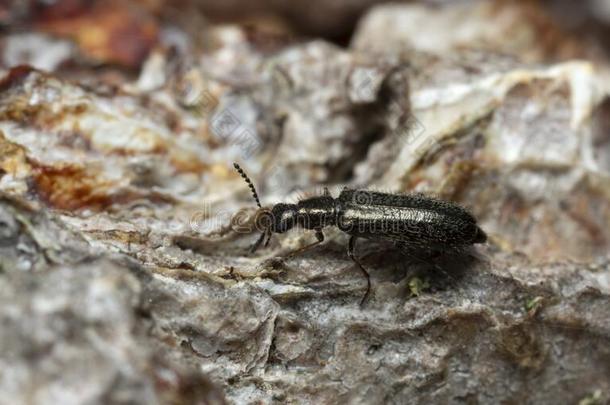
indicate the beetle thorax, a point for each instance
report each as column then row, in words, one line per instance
column 317, row 212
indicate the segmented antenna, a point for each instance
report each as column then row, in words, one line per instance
column 247, row 179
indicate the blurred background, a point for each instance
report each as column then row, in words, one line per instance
column 123, row 33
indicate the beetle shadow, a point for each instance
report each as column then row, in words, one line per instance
column 443, row 268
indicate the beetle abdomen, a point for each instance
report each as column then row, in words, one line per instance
column 349, row 197
column 410, row 219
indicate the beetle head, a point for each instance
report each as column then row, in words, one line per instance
column 283, row 217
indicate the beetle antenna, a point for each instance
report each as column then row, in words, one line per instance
column 249, row 182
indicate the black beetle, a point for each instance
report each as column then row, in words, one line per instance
column 410, row 219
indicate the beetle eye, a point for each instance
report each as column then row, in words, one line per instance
column 284, row 216
column 287, row 216
column 287, row 220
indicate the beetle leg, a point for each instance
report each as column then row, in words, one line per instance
column 258, row 243
column 268, row 238
column 320, row 239
column 350, row 252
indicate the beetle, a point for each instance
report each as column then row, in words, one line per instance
column 414, row 220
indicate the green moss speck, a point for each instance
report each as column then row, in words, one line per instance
column 594, row 398
column 533, row 303
column 417, row 286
